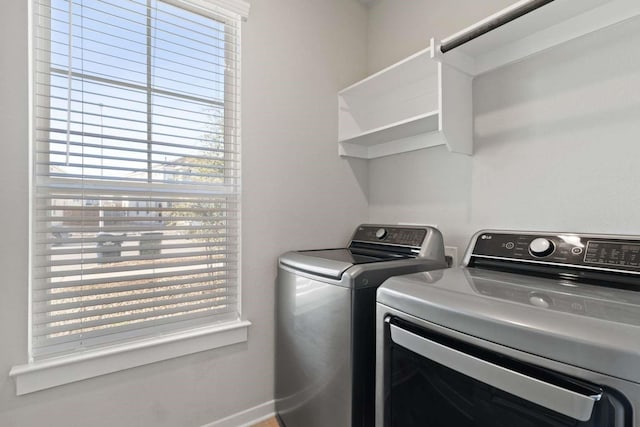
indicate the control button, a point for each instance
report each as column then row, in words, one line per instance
column 576, row 250
column 541, row 247
column 381, row 233
column 539, row 300
column 510, row 245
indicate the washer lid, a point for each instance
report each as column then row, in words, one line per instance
column 333, row 263
column 583, row 325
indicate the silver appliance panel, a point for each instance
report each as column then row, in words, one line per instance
column 313, row 363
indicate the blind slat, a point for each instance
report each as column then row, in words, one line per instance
column 189, row 123
column 161, row 99
column 113, row 306
column 212, row 37
column 106, row 95
column 123, row 268
column 170, row 53
column 132, row 329
column 130, row 140
column 135, row 220
column 211, row 32
column 214, row 272
column 160, row 311
column 43, row 296
column 80, row 250
column 55, row 242
column 120, row 229
column 94, row 189
column 82, row 262
column 126, row 209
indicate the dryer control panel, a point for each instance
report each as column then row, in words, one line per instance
column 570, row 250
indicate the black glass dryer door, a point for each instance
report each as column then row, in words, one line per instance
column 424, row 393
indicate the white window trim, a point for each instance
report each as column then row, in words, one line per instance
column 54, row 372
column 239, row 7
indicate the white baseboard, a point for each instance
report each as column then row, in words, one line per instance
column 247, row 417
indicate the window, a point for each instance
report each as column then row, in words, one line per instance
column 136, row 171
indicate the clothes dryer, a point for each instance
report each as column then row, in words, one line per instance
column 534, row 329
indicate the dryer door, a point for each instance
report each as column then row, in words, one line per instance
column 436, row 381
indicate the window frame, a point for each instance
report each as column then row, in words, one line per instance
column 50, row 372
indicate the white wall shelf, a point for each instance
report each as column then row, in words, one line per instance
column 404, row 108
column 550, row 25
column 426, row 99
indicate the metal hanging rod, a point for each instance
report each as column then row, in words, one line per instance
column 492, row 24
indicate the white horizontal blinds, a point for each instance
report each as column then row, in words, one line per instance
column 136, row 222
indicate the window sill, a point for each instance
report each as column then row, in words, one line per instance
column 49, row 373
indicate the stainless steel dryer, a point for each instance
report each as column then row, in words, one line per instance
column 535, row 329
column 325, row 322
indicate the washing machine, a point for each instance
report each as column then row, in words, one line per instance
column 534, row 329
column 325, row 322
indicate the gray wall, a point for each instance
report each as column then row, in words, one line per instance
column 556, row 136
column 400, row 28
column 297, row 194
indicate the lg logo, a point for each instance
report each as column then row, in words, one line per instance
column 485, row 237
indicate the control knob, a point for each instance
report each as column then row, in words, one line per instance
column 541, row 247
column 381, row 233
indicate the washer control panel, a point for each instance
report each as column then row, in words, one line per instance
column 391, row 235
column 568, row 249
